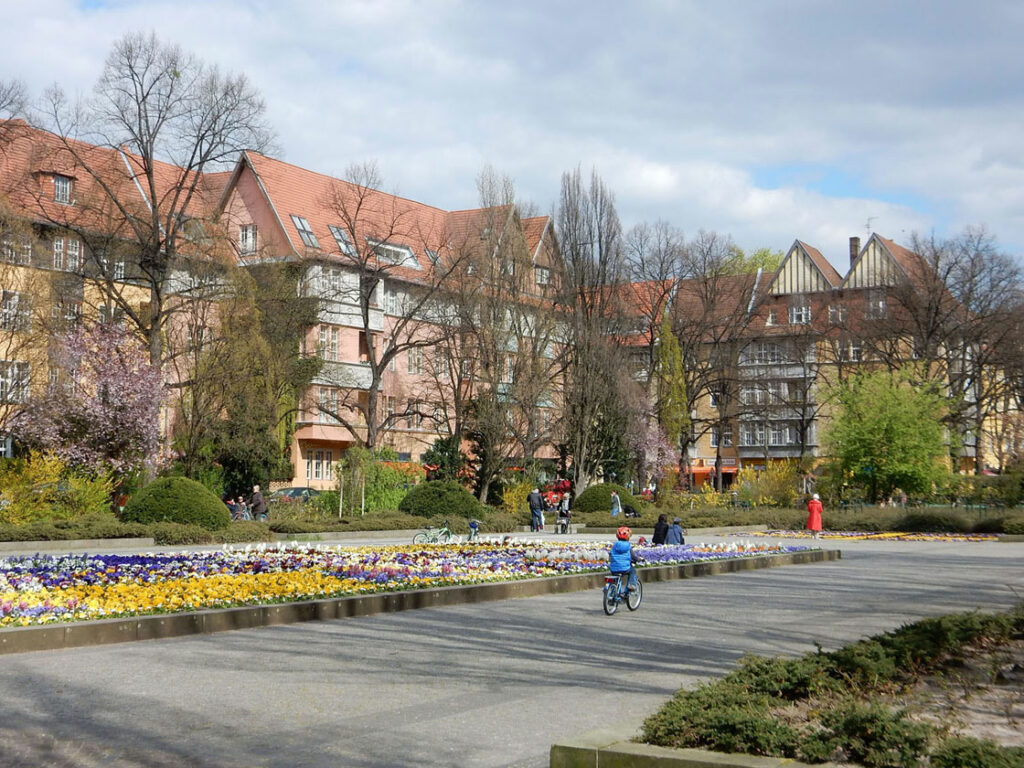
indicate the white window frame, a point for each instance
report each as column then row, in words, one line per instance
column 59, row 262
column 342, row 240
column 62, row 189
column 305, row 231
column 247, row 238
column 543, row 276
column 15, row 376
column 73, row 253
column 15, row 311
column 399, row 255
column 800, row 314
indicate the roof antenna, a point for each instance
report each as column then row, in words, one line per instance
column 867, row 226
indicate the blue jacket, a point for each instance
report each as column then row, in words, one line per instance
column 621, row 558
column 675, row 534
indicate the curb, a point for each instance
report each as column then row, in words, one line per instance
column 49, row 637
column 688, row 532
column 75, row 544
column 613, row 749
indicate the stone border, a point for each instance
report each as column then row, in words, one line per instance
column 75, row 544
column 48, row 637
column 688, row 532
column 613, row 749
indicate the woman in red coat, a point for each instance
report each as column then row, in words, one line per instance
column 814, row 516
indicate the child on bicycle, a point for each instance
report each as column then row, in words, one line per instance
column 622, row 558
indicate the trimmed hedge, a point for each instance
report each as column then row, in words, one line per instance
column 441, row 498
column 598, row 498
column 177, row 500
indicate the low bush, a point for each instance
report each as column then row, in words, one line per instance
column 441, row 497
column 933, row 522
column 244, row 531
column 177, row 500
column 42, row 488
column 94, row 527
column 178, row 534
column 875, row 736
column 1014, row 525
column 598, row 498
column 965, row 752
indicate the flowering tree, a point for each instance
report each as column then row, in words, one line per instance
column 100, row 415
column 654, row 451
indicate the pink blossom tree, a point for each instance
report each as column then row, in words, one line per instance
column 100, row 412
column 652, row 449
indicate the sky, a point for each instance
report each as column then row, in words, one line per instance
column 767, row 120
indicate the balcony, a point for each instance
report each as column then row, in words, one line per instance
column 345, row 375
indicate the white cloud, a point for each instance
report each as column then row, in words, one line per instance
column 869, row 110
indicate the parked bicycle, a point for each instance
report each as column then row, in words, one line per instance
column 432, row 535
column 617, row 590
column 474, row 529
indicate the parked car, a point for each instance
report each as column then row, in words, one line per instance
column 294, row 494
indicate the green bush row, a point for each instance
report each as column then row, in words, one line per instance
column 752, row 710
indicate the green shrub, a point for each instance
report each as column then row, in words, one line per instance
column 1014, row 526
column 513, row 498
column 177, row 534
column 933, row 522
column 876, row 736
column 498, row 522
column 598, row 498
column 43, row 488
column 787, row 679
column 177, row 500
column 244, row 531
column 441, row 498
column 965, row 752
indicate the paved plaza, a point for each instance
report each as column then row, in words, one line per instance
column 492, row 684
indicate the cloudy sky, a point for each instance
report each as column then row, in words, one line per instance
column 768, row 120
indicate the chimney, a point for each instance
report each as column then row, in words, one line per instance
column 854, row 249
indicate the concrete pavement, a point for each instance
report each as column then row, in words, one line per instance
column 490, row 684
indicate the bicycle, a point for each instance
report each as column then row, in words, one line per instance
column 474, row 530
column 617, row 590
column 442, row 535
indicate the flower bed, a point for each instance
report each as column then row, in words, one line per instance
column 58, row 588
column 879, row 535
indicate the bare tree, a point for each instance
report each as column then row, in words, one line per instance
column 161, row 119
column 590, row 237
column 394, row 269
column 655, row 255
column 13, row 101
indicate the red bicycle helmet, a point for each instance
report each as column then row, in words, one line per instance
column 623, row 533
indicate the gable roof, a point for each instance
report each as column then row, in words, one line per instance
column 804, row 270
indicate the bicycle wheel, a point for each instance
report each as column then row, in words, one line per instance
column 444, row 538
column 635, row 596
column 420, row 538
column 611, row 600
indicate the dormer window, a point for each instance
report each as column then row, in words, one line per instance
column 342, row 239
column 247, row 238
column 305, row 231
column 62, row 189
column 395, row 254
column 800, row 314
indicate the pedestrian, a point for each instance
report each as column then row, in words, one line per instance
column 660, row 531
column 536, row 502
column 616, row 504
column 257, row 504
column 814, row 516
column 564, row 514
column 675, row 533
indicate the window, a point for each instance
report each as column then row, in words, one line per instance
column 15, row 311
column 247, row 238
column 543, row 276
column 851, row 352
column 327, row 405
column 778, row 434
column 836, row 314
column 414, row 419
column 800, row 314
column 752, row 434
column 70, row 313
column 14, row 380
column 726, row 437
column 108, row 314
column 331, row 281
column 328, row 347
column 404, row 456
column 58, row 253
column 415, row 360
column 305, row 231
column 770, row 320
column 342, row 240
column 876, row 308
column 762, row 353
column 391, row 303
column 62, row 189
column 119, row 269
column 74, row 254
column 395, row 254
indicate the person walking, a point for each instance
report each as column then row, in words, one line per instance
column 257, row 504
column 616, row 504
column 660, row 531
column 814, row 516
column 536, row 502
column 675, row 532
